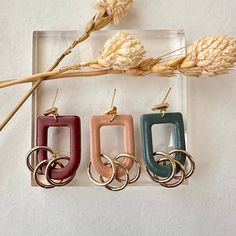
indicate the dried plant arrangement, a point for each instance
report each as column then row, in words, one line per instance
column 108, row 11
column 125, row 54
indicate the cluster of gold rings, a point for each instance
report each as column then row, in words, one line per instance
column 114, row 163
column 169, row 180
column 49, row 164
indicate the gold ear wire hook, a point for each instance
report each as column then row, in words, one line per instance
column 163, row 105
column 53, row 110
column 113, row 109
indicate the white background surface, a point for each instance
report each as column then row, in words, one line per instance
column 205, row 207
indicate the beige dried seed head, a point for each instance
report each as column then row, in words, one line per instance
column 163, row 70
column 121, row 52
column 135, row 72
column 147, row 64
column 101, row 22
column 114, row 8
column 211, row 55
column 174, row 63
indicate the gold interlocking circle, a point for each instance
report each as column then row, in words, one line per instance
column 49, row 165
column 114, row 163
column 170, row 157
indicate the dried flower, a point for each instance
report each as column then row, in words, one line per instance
column 122, row 52
column 210, row 56
column 114, row 8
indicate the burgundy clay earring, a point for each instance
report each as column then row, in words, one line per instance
column 55, row 172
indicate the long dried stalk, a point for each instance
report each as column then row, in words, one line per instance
column 40, row 79
column 18, row 106
column 43, row 75
column 209, row 56
column 107, row 12
column 58, row 75
column 144, row 66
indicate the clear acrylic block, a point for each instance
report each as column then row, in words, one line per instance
column 88, row 96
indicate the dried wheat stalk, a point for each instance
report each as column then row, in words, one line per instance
column 124, row 53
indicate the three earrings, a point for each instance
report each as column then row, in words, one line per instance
column 114, row 173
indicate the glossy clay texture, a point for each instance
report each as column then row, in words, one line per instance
column 73, row 122
column 96, row 123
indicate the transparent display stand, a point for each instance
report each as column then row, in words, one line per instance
column 88, row 96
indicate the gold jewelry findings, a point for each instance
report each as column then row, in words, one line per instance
column 115, row 164
column 113, row 109
column 45, row 167
column 168, row 157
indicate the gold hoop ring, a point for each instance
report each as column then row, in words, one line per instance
column 35, row 176
column 157, row 178
column 48, row 169
column 136, row 177
column 46, row 148
column 181, row 179
column 113, row 167
column 190, row 172
column 118, row 188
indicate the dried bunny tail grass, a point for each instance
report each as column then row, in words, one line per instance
column 122, row 52
column 114, row 8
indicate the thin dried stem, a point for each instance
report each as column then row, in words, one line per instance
column 43, row 75
column 169, row 53
column 79, row 74
column 18, row 106
column 28, row 79
column 64, row 69
column 40, row 77
column 56, row 76
column 99, row 21
column 85, row 35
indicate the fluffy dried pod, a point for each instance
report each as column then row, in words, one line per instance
column 114, row 8
column 211, row 55
column 121, row 52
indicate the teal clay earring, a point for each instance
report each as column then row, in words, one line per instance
column 166, row 169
